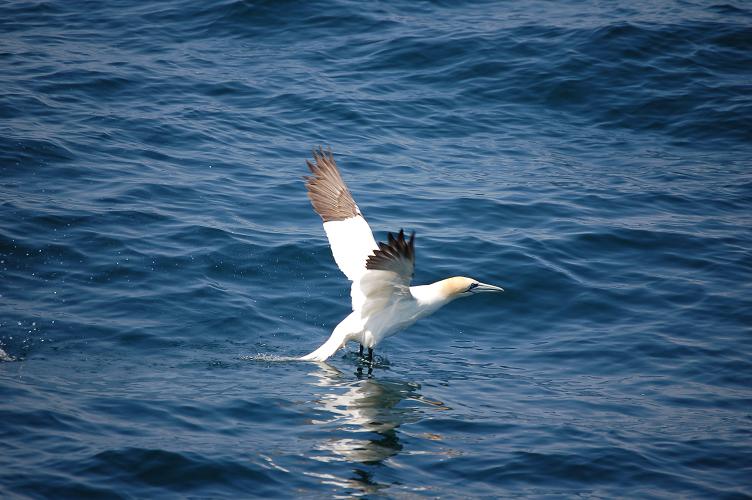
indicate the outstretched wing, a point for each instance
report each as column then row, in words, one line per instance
column 388, row 274
column 349, row 235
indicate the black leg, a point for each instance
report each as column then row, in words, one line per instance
column 360, row 353
column 370, row 355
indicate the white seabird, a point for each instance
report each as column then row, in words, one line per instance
column 383, row 302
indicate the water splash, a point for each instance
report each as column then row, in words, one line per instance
column 5, row 356
column 268, row 358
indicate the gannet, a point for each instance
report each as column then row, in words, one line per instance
column 383, row 302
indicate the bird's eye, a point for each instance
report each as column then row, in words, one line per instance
column 472, row 285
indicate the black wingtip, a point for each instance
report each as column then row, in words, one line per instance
column 320, row 153
column 397, row 248
column 311, row 167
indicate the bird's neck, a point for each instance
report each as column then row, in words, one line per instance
column 431, row 297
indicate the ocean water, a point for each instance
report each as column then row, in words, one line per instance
column 159, row 259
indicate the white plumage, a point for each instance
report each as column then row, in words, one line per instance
column 383, row 302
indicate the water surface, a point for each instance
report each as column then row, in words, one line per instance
column 159, row 259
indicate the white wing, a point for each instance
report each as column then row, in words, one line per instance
column 349, row 235
column 379, row 273
column 352, row 242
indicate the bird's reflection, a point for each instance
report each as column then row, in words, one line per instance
column 367, row 414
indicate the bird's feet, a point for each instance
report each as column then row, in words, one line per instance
column 370, row 354
column 368, row 360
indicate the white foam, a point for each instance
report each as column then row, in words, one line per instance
column 268, row 358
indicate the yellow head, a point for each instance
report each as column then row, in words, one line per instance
column 460, row 286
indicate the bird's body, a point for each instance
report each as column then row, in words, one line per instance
column 383, row 302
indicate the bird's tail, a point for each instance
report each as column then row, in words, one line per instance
column 337, row 339
column 326, row 350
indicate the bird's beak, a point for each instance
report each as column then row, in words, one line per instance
column 483, row 287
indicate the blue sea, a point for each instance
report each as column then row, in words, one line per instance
column 160, row 261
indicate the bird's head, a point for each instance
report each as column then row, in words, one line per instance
column 460, row 286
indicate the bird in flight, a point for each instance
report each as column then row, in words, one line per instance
column 383, row 302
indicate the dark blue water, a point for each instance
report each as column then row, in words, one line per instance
column 158, row 254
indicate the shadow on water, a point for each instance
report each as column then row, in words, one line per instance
column 364, row 414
